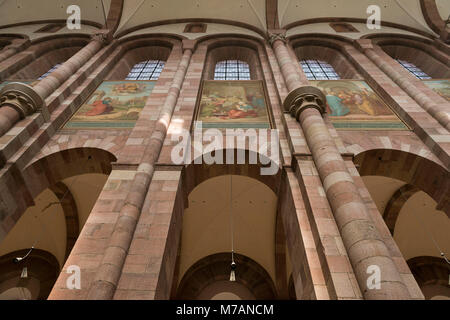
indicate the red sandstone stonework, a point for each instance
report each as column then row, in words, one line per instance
column 327, row 223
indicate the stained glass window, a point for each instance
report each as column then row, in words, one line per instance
column 146, row 70
column 414, row 69
column 56, row 66
column 318, row 70
column 232, row 70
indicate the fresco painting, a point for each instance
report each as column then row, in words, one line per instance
column 441, row 87
column 233, row 104
column 352, row 104
column 115, row 104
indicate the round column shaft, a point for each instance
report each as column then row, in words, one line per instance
column 362, row 241
column 18, row 100
column 108, row 275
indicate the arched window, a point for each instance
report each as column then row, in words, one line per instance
column 146, row 70
column 413, row 69
column 56, row 66
column 232, row 70
column 318, row 70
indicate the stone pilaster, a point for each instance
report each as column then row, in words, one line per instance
column 288, row 69
column 46, row 86
column 441, row 112
column 109, row 272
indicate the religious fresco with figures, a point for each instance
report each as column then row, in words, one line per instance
column 233, row 104
column 352, row 104
column 441, row 87
column 115, row 104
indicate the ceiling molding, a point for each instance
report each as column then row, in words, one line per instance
column 272, row 14
column 114, row 15
column 431, row 14
column 229, row 37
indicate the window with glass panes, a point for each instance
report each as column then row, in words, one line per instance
column 318, row 70
column 232, row 70
column 146, row 70
column 49, row 71
column 414, row 69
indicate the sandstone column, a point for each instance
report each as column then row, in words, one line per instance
column 361, row 239
column 19, row 100
column 108, row 275
column 440, row 112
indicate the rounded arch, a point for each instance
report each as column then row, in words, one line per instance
column 207, row 189
column 50, row 181
column 46, row 53
column 137, row 48
column 221, row 38
column 432, row 17
column 42, row 271
column 216, row 267
column 51, row 169
column 194, row 174
column 14, row 35
column 328, row 48
column 334, row 41
column 17, row 40
column 69, row 207
column 413, row 169
column 416, row 50
column 231, row 48
column 431, row 274
column 395, row 204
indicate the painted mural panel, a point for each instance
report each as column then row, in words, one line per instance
column 233, row 104
column 115, row 104
column 441, row 87
column 352, row 104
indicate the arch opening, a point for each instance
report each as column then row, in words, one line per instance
column 411, row 193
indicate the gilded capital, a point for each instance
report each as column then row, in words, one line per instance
column 277, row 36
column 21, row 97
column 302, row 98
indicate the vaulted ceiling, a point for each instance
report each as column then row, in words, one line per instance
column 258, row 15
column 22, row 11
column 404, row 12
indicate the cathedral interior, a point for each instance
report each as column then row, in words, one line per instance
column 95, row 97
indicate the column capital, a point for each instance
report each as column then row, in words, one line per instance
column 21, row 97
column 188, row 44
column 302, row 98
column 363, row 44
column 276, row 34
column 104, row 36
